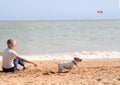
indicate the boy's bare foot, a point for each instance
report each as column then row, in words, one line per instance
column 18, row 69
column 26, row 67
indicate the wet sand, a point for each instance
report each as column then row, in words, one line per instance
column 91, row 72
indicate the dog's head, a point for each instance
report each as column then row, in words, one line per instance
column 77, row 59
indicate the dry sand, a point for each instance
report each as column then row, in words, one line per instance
column 91, row 72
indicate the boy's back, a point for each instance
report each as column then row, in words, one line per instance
column 8, row 57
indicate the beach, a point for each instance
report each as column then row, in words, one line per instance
column 47, row 43
column 91, row 72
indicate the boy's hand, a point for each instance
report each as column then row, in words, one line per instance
column 35, row 64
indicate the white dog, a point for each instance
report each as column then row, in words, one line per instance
column 69, row 65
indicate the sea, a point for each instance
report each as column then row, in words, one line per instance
column 51, row 40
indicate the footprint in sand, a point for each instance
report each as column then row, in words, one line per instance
column 118, row 79
column 98, row 79
column 106, row 83
column 46, row 73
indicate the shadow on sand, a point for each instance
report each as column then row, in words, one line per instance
column 51, row 72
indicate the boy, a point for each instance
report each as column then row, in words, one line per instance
column 10, row 59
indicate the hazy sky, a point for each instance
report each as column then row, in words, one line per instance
column 58, row 9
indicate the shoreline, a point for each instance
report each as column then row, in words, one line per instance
column 70, row 56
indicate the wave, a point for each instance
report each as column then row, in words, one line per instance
column 69, row 56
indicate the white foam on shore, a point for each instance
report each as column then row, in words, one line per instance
column 69, row 56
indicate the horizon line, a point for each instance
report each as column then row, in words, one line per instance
column 60, row 20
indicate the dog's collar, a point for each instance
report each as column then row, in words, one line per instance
column 74, row 62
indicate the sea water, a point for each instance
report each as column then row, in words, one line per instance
column 63, row 39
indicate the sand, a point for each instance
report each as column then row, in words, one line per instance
column 91, row 72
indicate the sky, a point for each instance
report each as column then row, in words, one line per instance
column 58, row 9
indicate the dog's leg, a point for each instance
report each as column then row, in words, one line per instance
column 59, row 71
column 78, row 70
column 69, row 70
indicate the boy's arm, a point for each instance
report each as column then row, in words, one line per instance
column 26, row 61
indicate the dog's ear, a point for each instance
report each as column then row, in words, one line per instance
column 80, row 59
column 75, row 58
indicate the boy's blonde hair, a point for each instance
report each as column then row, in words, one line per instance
column 10, row 41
